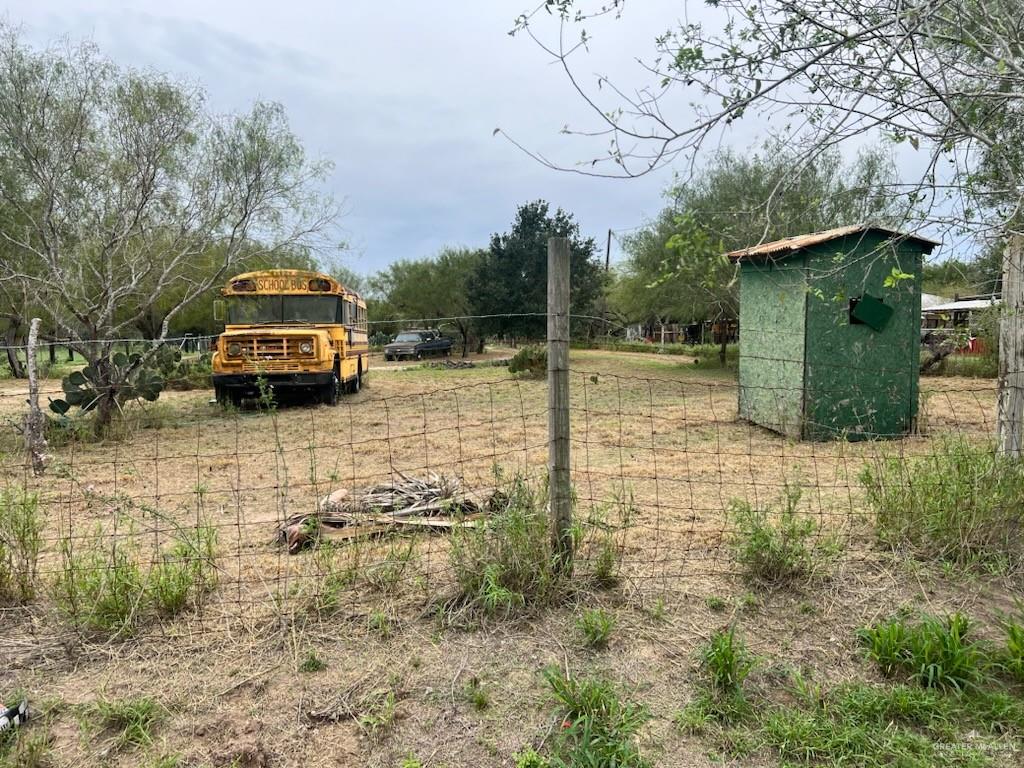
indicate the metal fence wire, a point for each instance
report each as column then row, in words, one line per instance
column 179, row 524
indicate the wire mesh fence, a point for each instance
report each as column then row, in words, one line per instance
column 179, row 523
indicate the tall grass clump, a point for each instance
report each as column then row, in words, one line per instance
column 775, row 545
column 960, row 504
column 185, row 572
column 21, row 539
column 597, row 727
column 935, row 653
column 100, row 586
column 507, row 562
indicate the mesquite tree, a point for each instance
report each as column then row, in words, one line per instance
column 945, row 77
column 118, row 185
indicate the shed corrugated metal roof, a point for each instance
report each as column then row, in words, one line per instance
column 788, row 245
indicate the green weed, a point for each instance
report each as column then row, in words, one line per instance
column 716, row 604
column 100, row 586
column 960, row 504
column 936, row 653
column 726, row 663
column 185, row 572
column 598, row 728
column 385, row 575
column 21, row 539
column 477, row 695
column 312, row 663
column 131, row 720
column 774, row 546
column 596, row 626
column 379, row 622
column 377, row 712
column 507, row 563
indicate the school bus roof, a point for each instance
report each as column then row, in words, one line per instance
column 294, row 281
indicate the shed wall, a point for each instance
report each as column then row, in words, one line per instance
column 861, row 383
column 772, row 313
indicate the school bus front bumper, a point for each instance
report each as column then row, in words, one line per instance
column 249, row 384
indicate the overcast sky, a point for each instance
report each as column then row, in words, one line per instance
column 403, row 97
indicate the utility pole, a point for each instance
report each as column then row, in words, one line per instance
column 608, row 253
column 559, row 481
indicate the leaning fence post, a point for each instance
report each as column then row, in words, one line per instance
column 35, row 422
column 559, row 483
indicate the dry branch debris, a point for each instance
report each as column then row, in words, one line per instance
column 432, row 503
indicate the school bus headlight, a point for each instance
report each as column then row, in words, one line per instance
column 306, row 348
column 234, row 349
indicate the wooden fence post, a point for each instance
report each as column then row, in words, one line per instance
column 1010, row 415
column 559, row 481
column 35, row 422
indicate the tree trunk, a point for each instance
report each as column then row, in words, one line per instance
column 724, row 335
column 11, row 340
column 106, row 393
column 465, row 338
column 1010, row 416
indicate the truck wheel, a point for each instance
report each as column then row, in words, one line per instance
column 356, row 384
column 329, row 393
column 419, row 355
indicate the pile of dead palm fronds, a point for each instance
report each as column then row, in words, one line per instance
column 435, row 502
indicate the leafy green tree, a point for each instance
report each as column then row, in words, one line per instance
column 127, row 193
column 945, row 77
column 436, row 290
column 509, row 287
column 675, row 267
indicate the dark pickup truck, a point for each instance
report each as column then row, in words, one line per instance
column 417, row 344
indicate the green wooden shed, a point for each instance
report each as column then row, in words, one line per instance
column 830, row 328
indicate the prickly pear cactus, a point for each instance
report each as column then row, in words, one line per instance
column 133, row 382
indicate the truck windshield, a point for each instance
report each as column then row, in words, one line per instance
column 408, row 337
column 256, row 310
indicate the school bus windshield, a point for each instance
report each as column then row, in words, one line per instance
column 257, row 310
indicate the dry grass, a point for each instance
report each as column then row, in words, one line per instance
column 644, row 425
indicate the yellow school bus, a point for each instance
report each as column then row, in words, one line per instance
column 289, row 329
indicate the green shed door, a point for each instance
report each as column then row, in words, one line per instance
column 772, row 301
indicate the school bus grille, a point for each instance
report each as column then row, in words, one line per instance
column 270, row 347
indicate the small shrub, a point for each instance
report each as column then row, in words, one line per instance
column 774, row 546
column 100, row 586
column 386, row 574
column 530, row 361
column 132, row 720
column 507, row 563
column 727, row 663
column 596, row 626
column 377, row 712
column 960, row 504
column 716, row 604
column 936, row 653
column 186, row 572
column 21, row 539
column 477, row 695
column 379, row 622
column 598, row 729
column 312, row 663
